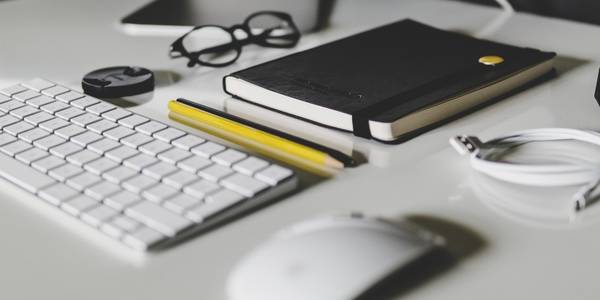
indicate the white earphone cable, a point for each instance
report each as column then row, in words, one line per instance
column 570, row 171
column 505, row 5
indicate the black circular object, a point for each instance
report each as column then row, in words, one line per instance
column 115, row 82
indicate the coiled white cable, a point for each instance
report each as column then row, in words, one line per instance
column 569, row 172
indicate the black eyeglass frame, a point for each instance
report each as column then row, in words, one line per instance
column 178, row 50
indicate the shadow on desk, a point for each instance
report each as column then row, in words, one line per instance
column 461, row 244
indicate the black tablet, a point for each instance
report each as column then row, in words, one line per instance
column 175, row 17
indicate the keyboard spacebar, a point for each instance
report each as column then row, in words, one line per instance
column 23, row 175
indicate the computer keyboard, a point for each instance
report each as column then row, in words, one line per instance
column 139, row 181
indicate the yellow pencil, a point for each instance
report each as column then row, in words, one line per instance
column 257, row 139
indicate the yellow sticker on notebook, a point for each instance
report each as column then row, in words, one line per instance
column 491, row 60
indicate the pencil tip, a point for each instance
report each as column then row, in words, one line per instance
column 331, row 162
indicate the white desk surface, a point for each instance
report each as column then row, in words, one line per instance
column 503, row 254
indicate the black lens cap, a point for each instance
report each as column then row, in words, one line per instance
column 116, row 82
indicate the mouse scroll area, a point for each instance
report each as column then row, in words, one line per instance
column 327, row 258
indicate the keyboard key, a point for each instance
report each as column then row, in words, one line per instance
column 219, row 202
column 86, row 138
column 103, row 145
column 133, row 121
column 122, row 200
column 101, row 126
column 118, row 133
column 125, row 223
column 274, row 174
column 100, row 166
column 69, row 113
column 11, row 90
column 155, row 147
column 57, row 194
column 38, row 118
column 215, row 172
column 64, row 172
column 82, row 157
column 78, row 205
column 158, row 218
column 31, row 155
column 70, row 131
column 24, row 111
column 119, row 174
column 207, row 149
column 69, row 96
column 100, row 108
column 194, row 164
column 137, row 140
column 180, row 179
column 83, row 180
column 18, row 128
column 223, row 195
column 250, row 165
column 22, row 176
column 142, row 238
column 173, row 155
column 48, row 142
column 65, row 149
column 159, row 170
column 181, row 203
column 38, row 84
column 140, row 161
column 48, row 163
column 121, row 153
column 102, row 190
column 26, row 95
column 7, row 120
column 4, row 98
column 54, row 124
column 116, row 114
column 201, row 188
column 244, row 184
column 150, row 128
column 119, row 225
column 159, row 193
column 168, row 134
column 15, row 147
column 54, row 107
column 187, row 142
column 139, row 183
column 54, row 91
column 98, row 215
column 10, row 105
column 84, row 102
column 85, row 119
column 40, row 101
column 6, row 139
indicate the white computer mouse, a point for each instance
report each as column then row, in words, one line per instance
column 328, row 258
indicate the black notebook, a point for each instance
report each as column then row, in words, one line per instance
column 389, row 82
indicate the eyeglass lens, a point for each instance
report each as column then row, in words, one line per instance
column 215, row 42
column 278, row 27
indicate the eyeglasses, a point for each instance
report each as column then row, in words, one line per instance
column 218, row 46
